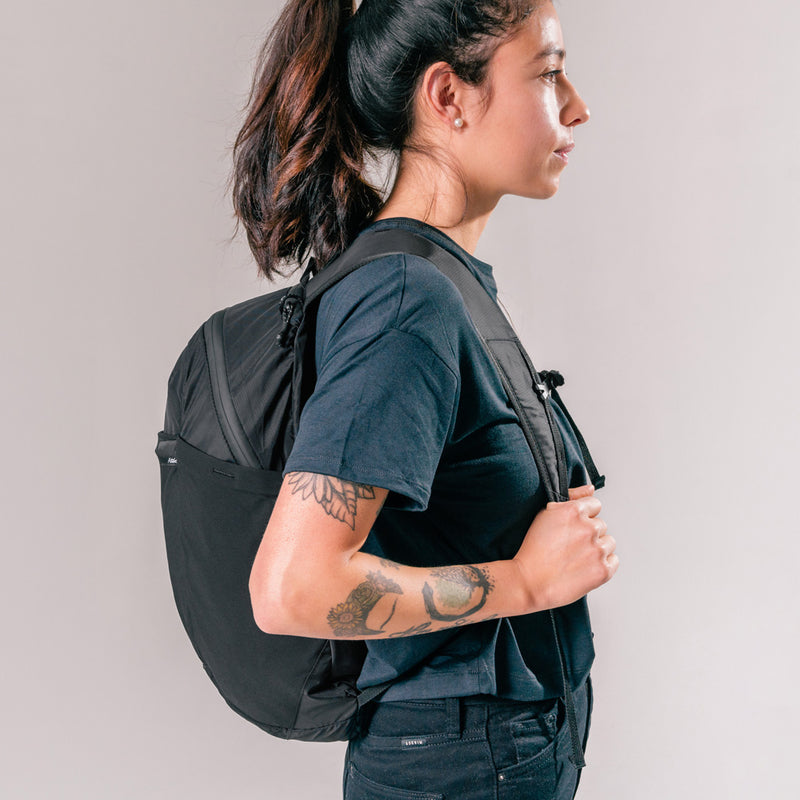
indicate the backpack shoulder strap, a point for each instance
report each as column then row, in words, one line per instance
column 367, row 247
column 504, row 346
column 526, row 391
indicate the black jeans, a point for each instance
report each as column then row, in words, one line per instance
column 470, row 748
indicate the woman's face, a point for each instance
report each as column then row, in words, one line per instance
column 520, row 144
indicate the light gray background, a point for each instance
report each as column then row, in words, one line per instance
column 662, row 281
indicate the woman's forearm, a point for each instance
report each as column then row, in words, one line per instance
column 372, row 598
column 311, row 578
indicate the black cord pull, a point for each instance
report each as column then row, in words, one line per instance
column 291, row 308
column 553, row 378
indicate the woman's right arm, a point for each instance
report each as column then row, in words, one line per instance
column 310, row 577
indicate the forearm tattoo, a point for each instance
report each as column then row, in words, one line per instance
column 412, row 631
column 337, row 497
column 457, row 592
column 350, row 618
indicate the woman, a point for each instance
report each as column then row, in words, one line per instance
column 449, row 582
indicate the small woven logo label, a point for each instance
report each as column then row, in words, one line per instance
column 413, row 742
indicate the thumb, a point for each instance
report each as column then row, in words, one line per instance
column 581, row 491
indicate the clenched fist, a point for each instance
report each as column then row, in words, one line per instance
column 566, row 552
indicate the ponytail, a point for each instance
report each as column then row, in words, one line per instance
column 297, row 184
column 331, row 87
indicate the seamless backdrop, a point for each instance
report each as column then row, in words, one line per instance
column 662, row 281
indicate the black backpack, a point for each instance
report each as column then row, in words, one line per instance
column 233, row 408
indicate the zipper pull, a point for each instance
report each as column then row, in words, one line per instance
column 542, row 390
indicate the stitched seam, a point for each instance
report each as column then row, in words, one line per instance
column 339, row 464
column 329, row 294
column 405, row 333
column 402, row 290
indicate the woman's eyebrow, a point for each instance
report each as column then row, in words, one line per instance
column 552, row 50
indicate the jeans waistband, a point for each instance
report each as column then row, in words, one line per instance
column 451, row 716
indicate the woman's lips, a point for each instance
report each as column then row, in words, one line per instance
column 564, row 152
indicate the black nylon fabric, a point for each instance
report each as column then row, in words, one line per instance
column 190, row 405
column 215, row 513
column 260, row 376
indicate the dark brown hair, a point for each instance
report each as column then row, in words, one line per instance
column 332, row 87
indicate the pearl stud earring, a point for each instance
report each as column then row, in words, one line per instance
column 458, row 122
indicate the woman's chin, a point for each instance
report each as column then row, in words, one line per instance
column 541, row 192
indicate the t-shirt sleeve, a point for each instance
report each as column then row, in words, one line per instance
column 380, row 414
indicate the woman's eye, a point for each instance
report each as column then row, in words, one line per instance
column 552, row 76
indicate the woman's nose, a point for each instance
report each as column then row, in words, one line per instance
column 575, row 111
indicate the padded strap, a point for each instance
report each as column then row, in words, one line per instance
column 526, row 390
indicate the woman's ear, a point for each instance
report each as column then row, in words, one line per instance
column 442, row 98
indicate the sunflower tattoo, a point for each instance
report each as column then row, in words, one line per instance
column 336, row 496
column 349, row 618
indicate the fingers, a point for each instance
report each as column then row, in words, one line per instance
column 600, row 528
column 581, row 491
column 583, row 501
column 608, row 545
column 610, row 558
column 590, row 506
column 613, row 565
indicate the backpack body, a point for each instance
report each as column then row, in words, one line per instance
column 233, row 408
column 215, row 511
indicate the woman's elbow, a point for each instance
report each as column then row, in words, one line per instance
column 268, row 618
column 274, row 611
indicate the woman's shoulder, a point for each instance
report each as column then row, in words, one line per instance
column 400, row 292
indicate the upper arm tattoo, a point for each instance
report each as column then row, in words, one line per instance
column 338, row 498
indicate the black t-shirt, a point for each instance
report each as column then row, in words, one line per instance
column 407, row 399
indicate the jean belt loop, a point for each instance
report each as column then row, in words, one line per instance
column 453, row 706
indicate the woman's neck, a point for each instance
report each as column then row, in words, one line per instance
column 424, row 191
